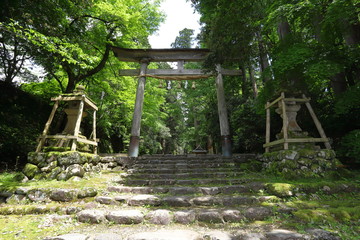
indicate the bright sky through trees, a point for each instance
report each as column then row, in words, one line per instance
column 179, row 15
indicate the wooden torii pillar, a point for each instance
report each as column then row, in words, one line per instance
column 139, row 102
column 145, row 56
column 223, row 116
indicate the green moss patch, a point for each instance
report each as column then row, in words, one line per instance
column 31, row 227
column 320, row 215
column 280, row 189
column 11, row 181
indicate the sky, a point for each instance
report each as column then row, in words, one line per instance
column 179, row 15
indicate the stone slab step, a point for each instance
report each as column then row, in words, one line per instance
column 243, row 188
column 171, row 233
column 165, row 217
column 183, row 165
column 188, row 161
column 173, row 170
column 184, row 201
column 180, row 182
column 185, row 175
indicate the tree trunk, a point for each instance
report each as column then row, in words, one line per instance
column 283, row 29
column 338, row 83
column 263, row 59
column 244, row 85
column 253, row 82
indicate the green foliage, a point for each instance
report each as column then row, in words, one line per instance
column 349, row 149
column 22, row 119
column 349, row 101
column 76, row 40
column 184, row 40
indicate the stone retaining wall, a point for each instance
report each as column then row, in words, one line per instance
column 300, row 163
column 69, row 165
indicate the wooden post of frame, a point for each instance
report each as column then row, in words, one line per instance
column 47, row 126
column 94, row 131
column 317, row 123
column 77, row 125
column 285, row 121
column 267, row 138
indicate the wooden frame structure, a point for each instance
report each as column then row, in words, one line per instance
column 145, row 56
column 286, row 140
column 84, row 103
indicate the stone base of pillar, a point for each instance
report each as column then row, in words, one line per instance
column 134, row 146
column 226, row 146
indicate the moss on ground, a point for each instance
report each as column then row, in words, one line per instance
column 32, row 227
column 11, row 181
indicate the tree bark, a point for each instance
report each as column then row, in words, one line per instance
column 283, row 29
column 253, row 82
column 338, row 83
column 244, row 85
column 263, row 59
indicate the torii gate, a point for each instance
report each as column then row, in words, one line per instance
column 145, row 56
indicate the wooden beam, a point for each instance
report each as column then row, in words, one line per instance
column 178, row 72
column 317, row 123
column 90, row 142
column 47, row 126
column 295, row 140
column 78, row 123
column 273, row 143
column 87, row 100
column 91, row 104
column 306, row 140
column 274, row 102
column 301, row 100
column 161, row 55
column 87, row 141
column 267, row 138
column 94, row 132
column 285, row 121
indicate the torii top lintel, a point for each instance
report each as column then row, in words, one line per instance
column 161, row 55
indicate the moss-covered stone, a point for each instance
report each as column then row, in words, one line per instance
column 280, row 189
column 288, row 154
column 54, row 173
column 49, row 167
column 69, row 158
column 253, row 165
column 87, row 192
column 326, row 153
column 307, row 153
column 341, row 214
column 30, row 170
column 63, row 176
column 307, row 163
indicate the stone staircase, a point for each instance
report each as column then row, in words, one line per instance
column 178, row 197
column 183, row 190
column 191, row 191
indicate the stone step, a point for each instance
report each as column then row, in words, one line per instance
column 185, row 175
column 165, row 217
column 174, row 170
column 181, row 182
column 253, row 187
column 183, row 165
column 184, row 201
column 191, row 161
column 169, row 233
